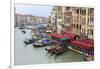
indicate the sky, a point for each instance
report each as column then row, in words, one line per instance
column 37, row 10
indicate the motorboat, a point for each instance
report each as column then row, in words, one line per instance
column 37, row 44
column 44, row 42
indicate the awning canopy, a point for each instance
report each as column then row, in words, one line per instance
column 70, row 36
column 66, row 35
column 89, row 41
column 83, row 44
column 58, row 36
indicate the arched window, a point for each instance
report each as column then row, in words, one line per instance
column 92, row 32
column 84, row 31
column 77, row 26
column 74, row 25
column 80, row 26
column 83, row 11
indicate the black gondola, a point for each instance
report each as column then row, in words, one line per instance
column 24, row 32
column 30, row 41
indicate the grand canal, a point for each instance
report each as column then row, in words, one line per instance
column 27, row 54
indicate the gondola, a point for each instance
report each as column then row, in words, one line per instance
column 24, row 32
column 30, row 41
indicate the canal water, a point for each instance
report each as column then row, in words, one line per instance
column 27, row 54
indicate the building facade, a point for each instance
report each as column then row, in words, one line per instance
column 83, row 21
column 21, row 19
column 77, row 20
column 61, row 18
column 53, row 22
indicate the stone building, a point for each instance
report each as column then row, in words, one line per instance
column 22, row 19
column 77, row 20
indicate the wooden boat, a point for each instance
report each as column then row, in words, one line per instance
column 55, row 49
column 59, row 50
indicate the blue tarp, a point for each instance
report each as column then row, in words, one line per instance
column 45, row 41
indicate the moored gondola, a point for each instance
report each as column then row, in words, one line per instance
column 29, row 41
column 23, row 31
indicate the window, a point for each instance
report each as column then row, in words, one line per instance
column 77, row 11
column 88, row 32
column 80, row 26
column 77, row 26
column 74, row 25
column 91, row 30
column 84, row 31
column 83, row 21
column 91, row 19
column 88, row 20
column 90, row 11
column 68, row 8
column 59, row 17
column 83, row 11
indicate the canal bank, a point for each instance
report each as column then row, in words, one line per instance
column 27, row 54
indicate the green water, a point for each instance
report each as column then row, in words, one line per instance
column 27, row 54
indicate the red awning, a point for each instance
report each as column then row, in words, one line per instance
column 82, row 44
column 70, row 36
column 50, row 34
column 89, row 41
column 58, row 36
column 66, row 35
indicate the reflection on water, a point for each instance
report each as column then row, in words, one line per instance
column 27, row 54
